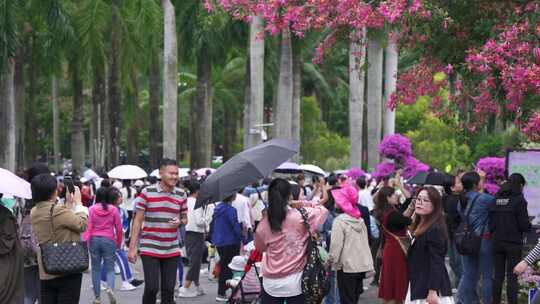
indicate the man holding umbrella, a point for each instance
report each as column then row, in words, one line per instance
column 160, row 209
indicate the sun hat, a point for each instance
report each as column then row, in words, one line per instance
column 238, row 263
column 346, row 199
column 138, row 183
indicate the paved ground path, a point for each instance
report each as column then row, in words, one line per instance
column 135, row 296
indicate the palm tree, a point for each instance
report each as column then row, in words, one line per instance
column 77, row 127
column 357, row 58
column 390, row 72
column 56, row 124
column 297, row 92
column 282, row 124
column 7, row 80
column 255, row 111
column 170, row 81
column 374, row 100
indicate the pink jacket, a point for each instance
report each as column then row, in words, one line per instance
column 104, row 223
column 286, row 250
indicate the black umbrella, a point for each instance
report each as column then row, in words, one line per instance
column 245, row 168
column 427, row 178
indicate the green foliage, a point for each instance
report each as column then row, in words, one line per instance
column 435, row 143
column 320, row 146
column 409, row 117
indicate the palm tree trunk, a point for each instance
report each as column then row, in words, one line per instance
column 170, row 81
column 374, row 100
column 256, row 80
column 56, row 124
column 77, row 123
column 247, row 106
column 8, row 157
column 203, row 157
column 297, row 94
column 133, row 132
column 390, row 78
column 357, row 59
column 285, row 89
column 98, row 134
column 154, row 100
column 30, row 115
column 115, row 98
column 20, row 108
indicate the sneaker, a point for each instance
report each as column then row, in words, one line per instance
column 187, row 292
column 103, row 286
column 127, row 286
column 96, row 301
column 136, row 282
column 221, row 299
column 200, row 291
column 110, row 293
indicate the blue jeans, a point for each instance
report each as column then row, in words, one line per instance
column 102, row 250
column 122, row 262
column 473, row 267
column 333, row 296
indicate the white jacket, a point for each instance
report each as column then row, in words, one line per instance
column 349, row 246
column 199, row 219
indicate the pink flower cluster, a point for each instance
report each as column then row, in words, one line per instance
column 532, row 127
column 529, row 276
column 355, row 173
column 396, row 146
column 419, row 81
column 383, row 169
column 413, row 166
column 495, row 172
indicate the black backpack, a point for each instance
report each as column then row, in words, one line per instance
column 316, row 276
column 467, row 242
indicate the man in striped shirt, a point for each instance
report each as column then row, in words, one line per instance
column 160, row 208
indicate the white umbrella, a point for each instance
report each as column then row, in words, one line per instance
column 127, row 172
column 90, row 175
column 155, row 173
column 313, row 169
column 183, row 172
column 11, row 184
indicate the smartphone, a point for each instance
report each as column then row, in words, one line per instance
column 68, row 182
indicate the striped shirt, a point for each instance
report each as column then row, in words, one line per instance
column 534, row 255
column 158, row 238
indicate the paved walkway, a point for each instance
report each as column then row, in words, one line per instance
column 135, row 296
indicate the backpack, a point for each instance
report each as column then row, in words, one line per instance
column 467, row 242
column 29, row 240
column 315, row 277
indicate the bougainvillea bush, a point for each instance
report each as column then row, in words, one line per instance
column 396, row 147
column 383, row 169
column 413, row 166
column 495, row 172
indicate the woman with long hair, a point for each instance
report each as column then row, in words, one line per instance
column 105, row 237
column 429, row 281
column 393, row 277
column 283, row 237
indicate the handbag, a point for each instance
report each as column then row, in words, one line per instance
column 403, row 241
column 466, row 239
column 63, row 258
column 315, row 277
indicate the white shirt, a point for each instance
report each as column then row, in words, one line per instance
column 289, row 286
column 241, row 204
column 365, row 198
column 198, row 219
column 127, row 202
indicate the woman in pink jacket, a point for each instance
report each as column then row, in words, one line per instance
column 104, row 235
column 282, row 237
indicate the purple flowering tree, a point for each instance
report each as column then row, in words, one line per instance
column 494, row 168
column 413, row 166
column 383, row 169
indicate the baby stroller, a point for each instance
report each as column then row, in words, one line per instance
column 248, row 290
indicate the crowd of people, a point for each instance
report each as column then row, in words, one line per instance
column 394, row 234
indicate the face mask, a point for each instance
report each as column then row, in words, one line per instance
column 9, row 203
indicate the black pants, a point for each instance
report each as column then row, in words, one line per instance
column 505, row 257
column 195, row 249
column 156, row 271
column 350, row 286
column 226, row 254
column 374, row 247
column 268, row 299
column 63, row 290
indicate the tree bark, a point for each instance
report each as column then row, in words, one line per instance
column 20, row 109
column 285, row 89
column 256, row 80
column 374, row 100
column 154, row 100
column 56, row 124
column 30, row 115
column 115, row 98
column 133, row 131
column 8, row 142
column 203, row 156
column 77, row 123
column 390, row 78
column 357, row 59
column 170, row 81
column 297, row 95
column 98, row 134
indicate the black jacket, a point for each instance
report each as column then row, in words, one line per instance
column 426, row 264
column 509, row 218
column 450, row 203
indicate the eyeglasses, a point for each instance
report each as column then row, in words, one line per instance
column 423, row 200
